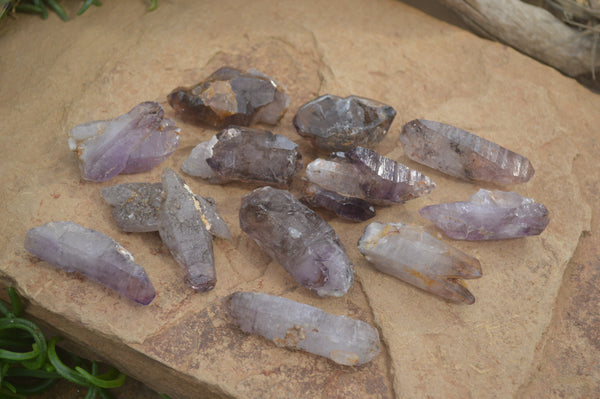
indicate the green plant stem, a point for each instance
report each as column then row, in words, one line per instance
column 153, row 5
column 57, row 9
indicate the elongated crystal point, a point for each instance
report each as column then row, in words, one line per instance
column 364, row 173
column 350, row 208
column 74, row 248
column 298, row 326
column 489, row 215
column 245, row 154
column 232, row 97
column 462, row 154
column 131, row 143
column 299, row 239
column 184, row 232
column 414, row 256
column 333, row 123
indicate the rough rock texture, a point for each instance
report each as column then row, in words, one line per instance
column 298, row 326
column 531, row 333
column 131, row 143
column 184, row 232
column 351, row 208
column 333, row 123
column 363, row 173
column 462, row 154
column 489, row 215
column 245, row 154
column 74, row 248
column 299, row 239
column 418, row 258
column 232, row 97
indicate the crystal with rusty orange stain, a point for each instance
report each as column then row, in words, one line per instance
column 416, row 257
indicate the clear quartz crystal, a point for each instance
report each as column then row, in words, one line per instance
column 298, row 326
column 74, row 248
column 462, row 154
column 414, row 256
column 299, row 239
column 489, row 215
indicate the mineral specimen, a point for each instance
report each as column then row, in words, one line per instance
column 231, row 97
column 463, row 154
column 350, row 208
column 414, row 256
column 299, row 239
column 298, row 326
column 183, row 230
column 131, row 143
column 245, row 154
column 339, row 124
column 74, row 248
column 489, row 215
column 137, row 207
column 363, row 173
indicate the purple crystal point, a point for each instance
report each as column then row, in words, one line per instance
column 299, row 239
column 74, row 248
column 350, row 208
column 232, row 97
column 489, row 215
column 298, row 326
column 414, row 256
column 333, row 123
column 245, row 154
column 363, row 173
column 184, row 232
column 462, row 154
column 131, row 143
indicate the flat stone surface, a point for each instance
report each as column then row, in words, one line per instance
column 532, row 331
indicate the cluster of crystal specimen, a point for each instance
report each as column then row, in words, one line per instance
column 74, row 248
column 131, row 143
column 462, row 154
column 137, row 208
column 298, row 326
column 489, row 215
column 183, row 230
column 364, row 173
column 350, row 208
column 414, row 256
column 231, row 97
column 339, row 124
column 299, row 239
column 245, row 154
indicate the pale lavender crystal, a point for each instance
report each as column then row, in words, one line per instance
column 462, row 154
column 350, row 208
column 298, row 326
column 245, row 154
column 364, row 173
column 333, row 123
column 414, row 256
column 184, row 232
column 489, row 215
column 74, row 248
column 299, row 239
column 133, row 142
column 137, row 207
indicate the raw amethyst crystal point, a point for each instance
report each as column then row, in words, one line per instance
column 232, row 97
column 333, row 123
column 489, row 215
column 74, row 248
column 184, row 232
column 245, row 154
column 414, row 256
column 364, row 173
column 131, row 143
column 350, row 208
column 136, row 205
column 299, row 239
column 298, row 326
column 462, row 154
